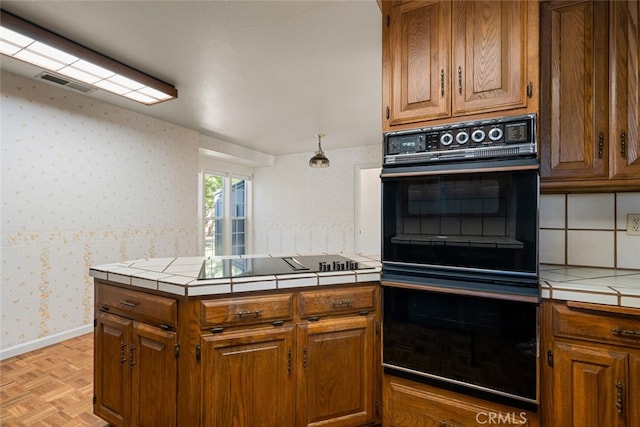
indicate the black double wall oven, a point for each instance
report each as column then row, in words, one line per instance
column 460, row 257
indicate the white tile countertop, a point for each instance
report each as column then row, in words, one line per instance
column 179, row 276
column 590, row 284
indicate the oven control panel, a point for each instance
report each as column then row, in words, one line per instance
column 495, row 138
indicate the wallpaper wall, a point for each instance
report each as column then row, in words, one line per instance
column 83, row 183
column 309, row 210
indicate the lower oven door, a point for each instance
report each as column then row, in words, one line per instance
column 478, row 345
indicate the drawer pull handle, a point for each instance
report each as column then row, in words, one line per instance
column 619, row 397
column 254, row 313
column 337, row 304
column 625, row 333
column 128, row 304
column 277, row 322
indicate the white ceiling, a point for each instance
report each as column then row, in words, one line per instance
column 264, row 75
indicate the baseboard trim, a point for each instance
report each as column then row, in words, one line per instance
column 44, row 342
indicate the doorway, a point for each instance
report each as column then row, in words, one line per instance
column 368, row 210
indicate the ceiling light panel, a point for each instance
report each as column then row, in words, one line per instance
column 28, row 42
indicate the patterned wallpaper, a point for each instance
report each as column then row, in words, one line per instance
column 83, row 183
column 308, row 210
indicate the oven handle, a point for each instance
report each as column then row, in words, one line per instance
column 428, row 172
column 535, row 299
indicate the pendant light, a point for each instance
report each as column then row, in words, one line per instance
column 319, row 160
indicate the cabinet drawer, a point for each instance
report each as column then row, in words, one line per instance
column 317, row 303
column 415, row 405
column 583, row 321
column 242, row 311
column 136, row 305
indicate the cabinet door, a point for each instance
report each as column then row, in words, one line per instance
column 585, row 386
column 154, row 388
column 574, row 90
column 489, row 59
column 248, row 378
column 633, row 394
column 419, row 55
column 625, row 45
column 112, row 368
column 336, row 377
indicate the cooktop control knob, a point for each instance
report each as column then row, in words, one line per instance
column 324, row 266
column 477, row 135
column 462, row 137
column 446, row 139
column 495, row 134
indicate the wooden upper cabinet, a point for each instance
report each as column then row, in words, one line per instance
column 445, row 61
column 489, row 56
column 420, row 39
column 625, row 46
column 589, row 96
column 574, row 90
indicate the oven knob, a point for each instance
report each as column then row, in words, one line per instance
column 446, row 139
column 462, row 137
column 478, row 135
column 495, row 134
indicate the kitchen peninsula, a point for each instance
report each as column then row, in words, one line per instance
column 220, row 342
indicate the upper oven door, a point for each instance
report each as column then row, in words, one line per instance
column 462, row 220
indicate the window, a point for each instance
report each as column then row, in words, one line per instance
column 225, row 213
column 238, row 215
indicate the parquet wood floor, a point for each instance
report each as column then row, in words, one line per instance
column 52, row 386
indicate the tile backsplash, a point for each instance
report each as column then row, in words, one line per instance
column 589, row 230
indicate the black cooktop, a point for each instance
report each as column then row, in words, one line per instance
column 216, row 268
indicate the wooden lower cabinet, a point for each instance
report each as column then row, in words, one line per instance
column 289, row 358
column 316, row 371
column 411, row 404
column 591, row 377
column 248, row 378
column 585, row 386
column 136, row 372
column 336, row 365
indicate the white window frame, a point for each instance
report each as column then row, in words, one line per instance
column 228, row 172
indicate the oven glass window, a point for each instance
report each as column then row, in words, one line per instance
column 481, row 342
column 482, row 220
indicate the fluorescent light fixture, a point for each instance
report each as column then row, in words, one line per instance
column 30, row 43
